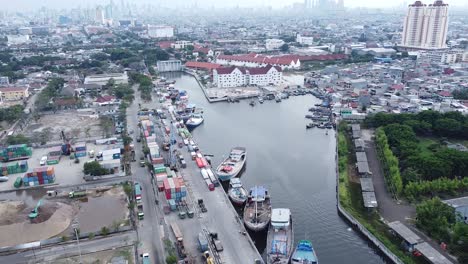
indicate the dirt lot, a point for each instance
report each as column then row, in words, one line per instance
column 106, row 206
column 73, row 123
column 54, row 218
column 107, row 256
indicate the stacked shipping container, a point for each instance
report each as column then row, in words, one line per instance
column 39, row 176
column 15, row 152
column 80, row 149
column 14, row 167
column 175, row 189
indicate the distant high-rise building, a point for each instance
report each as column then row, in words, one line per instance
column 426, row 26
column 99, row 17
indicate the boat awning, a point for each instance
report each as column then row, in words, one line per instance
column 258, row 192
column 280, row 217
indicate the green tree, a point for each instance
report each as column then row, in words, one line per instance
column 435, row 217
column 104, row 231
column 93, row 168
column 171, row 259
column 284, row 47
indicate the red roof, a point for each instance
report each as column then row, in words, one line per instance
column 445, row 93
column 165, row 44
column 252, row 71
column 262, row 70
column 252, row 57
column 105, row 98
column 398, row 87
column 202, row 65
column 13, row 89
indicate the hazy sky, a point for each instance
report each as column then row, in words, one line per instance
column 30, row 4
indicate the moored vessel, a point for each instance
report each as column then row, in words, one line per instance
column 257, row 211
column 237, row 193
column 304, row 253
column 280, row 237
column 232, row 165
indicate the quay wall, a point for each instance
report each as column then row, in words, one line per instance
column 355, row 223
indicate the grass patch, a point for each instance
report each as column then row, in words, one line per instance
column 351, row 201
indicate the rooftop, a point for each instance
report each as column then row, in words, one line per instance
column 431, row 254
column 457, row 202
column 369, row 199
column 367, row 185
column 405, row 233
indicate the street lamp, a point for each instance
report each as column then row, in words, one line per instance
column 75, row 226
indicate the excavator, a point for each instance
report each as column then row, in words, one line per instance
column 35, row 212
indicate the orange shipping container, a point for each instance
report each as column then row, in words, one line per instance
column 50, row 171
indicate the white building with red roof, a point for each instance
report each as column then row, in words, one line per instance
column 238, row 76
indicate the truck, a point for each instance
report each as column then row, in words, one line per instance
column 137, row 192
column 141, row 214
column 201, row 204
column 216, row 241
column 76, row 194
column 179, row 241
column 202, row 242
column 145, row 258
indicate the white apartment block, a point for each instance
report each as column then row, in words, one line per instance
column 305, row 40
column 273, row 44
column 425, row 26
column 181, row 44
column 102, row 79
column 237, row 77
column 160, row 31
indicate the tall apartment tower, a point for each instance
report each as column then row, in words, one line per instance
column 426, row 26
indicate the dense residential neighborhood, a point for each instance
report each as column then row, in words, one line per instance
column 125, row 128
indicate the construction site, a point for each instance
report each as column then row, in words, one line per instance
column 39, row 217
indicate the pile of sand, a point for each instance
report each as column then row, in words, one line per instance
column 26, row 231
column 9, row 211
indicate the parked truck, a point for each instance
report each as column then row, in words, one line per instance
column 76, row 194
column 202, row 242
column 137, row 192
column 179, row 241
column 216, row 241
column 141, row 214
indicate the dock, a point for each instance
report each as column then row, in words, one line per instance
column 220, row 217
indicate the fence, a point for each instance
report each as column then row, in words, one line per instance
column 355, row 223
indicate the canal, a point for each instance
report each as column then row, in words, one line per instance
column 295, row 164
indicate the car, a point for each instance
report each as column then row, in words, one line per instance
column 138, row 139
column 43, row 161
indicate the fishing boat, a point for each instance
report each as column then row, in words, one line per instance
column 304, row 253
column 232, row 165
column 280, row 237
column 257, row 211
column 194, row 121
column 310, row 125
column 260, row 99
column 237, row 192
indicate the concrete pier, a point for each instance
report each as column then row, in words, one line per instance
column 221, row 216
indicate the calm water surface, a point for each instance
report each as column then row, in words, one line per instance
column 295, row 164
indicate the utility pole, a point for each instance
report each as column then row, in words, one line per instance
column 75, row 226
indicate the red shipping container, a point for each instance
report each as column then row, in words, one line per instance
column 160, row 186
column 205, row 163
column 168, row 196
column 199, row 163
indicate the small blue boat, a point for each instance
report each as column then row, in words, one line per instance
column 304, row 253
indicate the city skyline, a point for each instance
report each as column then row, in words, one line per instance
column 28, row 5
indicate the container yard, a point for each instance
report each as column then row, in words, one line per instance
column 15, row 152
column 39, row 176
column 14, row 167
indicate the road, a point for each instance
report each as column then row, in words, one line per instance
column 150, row 231
column 50, row 254
column 390, row 209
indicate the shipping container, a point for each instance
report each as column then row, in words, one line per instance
column 210, row 185
column 212, row 177
column 204, row 174
column 199, row 163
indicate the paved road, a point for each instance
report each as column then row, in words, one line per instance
column 149, row 229
column 390, row 209
column 49, row 254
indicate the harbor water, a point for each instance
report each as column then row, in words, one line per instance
column 296, row 165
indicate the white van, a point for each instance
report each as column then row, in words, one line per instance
column 43, row 161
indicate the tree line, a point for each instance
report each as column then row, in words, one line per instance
column 426, row 123
column 12, row 113
column 389, row 162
